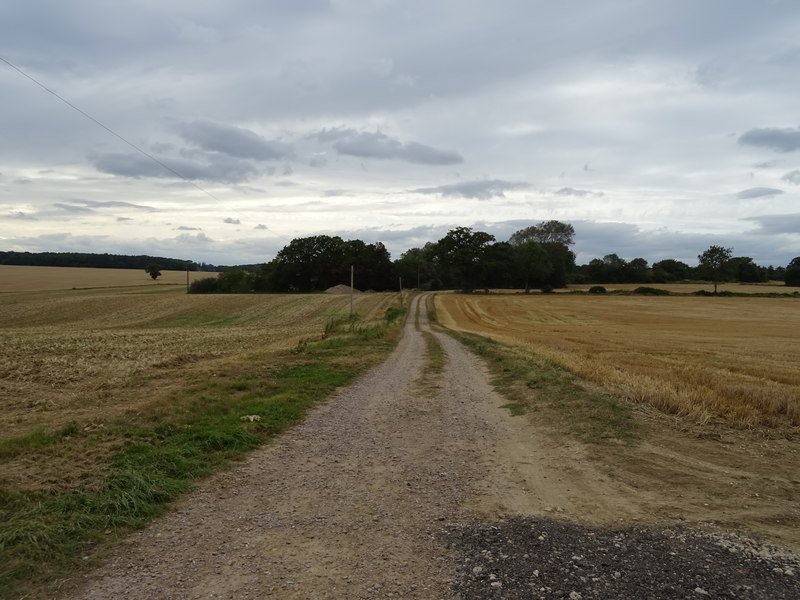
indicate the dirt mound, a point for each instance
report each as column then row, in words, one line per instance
column 341, row 289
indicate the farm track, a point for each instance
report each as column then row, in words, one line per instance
column 397, row 488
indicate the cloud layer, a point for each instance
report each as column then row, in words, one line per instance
column 219, row 132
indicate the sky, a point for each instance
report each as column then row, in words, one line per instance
column 220, row 131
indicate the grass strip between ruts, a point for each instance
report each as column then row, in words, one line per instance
column 534, row 384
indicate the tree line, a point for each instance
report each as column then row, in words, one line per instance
column 98, row 261
column 535, row 257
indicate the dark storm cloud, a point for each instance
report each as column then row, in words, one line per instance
column 480, row 190
column 780, row 140
column 233, row 141
column 380, row 146
column 758, row 192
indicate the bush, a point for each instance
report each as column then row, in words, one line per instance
column 207, row 285
column 649, row 291
column 597, row 289
column 392, row 314
column 547, row 289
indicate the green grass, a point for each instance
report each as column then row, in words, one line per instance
column 44, row 534
column 33, row 441
column 534, row 384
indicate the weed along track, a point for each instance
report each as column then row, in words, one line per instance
column 414, row 483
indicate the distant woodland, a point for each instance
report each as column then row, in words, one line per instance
column 98, row 261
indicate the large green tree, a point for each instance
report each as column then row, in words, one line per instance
column 532, row 264
column 713, row 263
column 556, row 238
column 792, row 273
column 459, row 254
column 744, row 269
column 669, row 269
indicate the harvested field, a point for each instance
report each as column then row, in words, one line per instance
column 90, row 355
column 115, row 400
column 712, row 383
column 15, row 278
column 734, row 359
column 773, row 287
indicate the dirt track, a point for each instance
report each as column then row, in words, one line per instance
column 397, row 487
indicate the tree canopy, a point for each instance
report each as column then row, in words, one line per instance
column 713, row 263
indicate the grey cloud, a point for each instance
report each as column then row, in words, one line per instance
column 767, row 164
column 109, row 204
column 218, row 168
column 198, row 239
column 777, row 224
column 261, row 226
column 317, row 161
column 567, row 191
column 481, row 190
column 758, row 192
column 333, row 134
column 780, row 140
column 21, row 215
column 792, row 177
column 186, row 228
column 73, row 209
column 380, row 146
column 232, row 221
column 233, row 141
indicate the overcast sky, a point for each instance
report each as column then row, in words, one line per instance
column 655, row 127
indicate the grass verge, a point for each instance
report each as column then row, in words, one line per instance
column 535, row 384
column 48, row 534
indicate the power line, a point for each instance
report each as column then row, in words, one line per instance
column 118, row 136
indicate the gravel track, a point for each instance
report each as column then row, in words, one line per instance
column 382, row 493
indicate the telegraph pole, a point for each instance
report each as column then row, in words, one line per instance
column 351, row 292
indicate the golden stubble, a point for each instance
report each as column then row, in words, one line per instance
column 733, row 359
column 87, row 356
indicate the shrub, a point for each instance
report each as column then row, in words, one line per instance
column 597, row 289
column 547, row 289
column 649, row 291
column 207, row 285
column 392, row 314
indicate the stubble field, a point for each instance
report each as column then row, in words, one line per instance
column 708, row 388
column 114, row 399
column 15, row 278
column 730, row 359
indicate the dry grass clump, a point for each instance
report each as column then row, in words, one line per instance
column 705, row 358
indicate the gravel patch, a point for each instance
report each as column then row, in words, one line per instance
column 542, row 558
